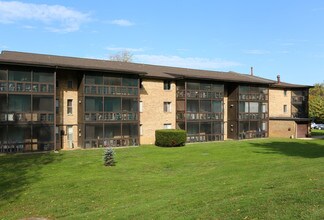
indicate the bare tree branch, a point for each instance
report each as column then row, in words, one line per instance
column 123, row 56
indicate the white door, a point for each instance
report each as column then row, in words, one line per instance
column 70, row 136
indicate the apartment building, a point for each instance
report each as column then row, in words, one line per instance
column 53, row 102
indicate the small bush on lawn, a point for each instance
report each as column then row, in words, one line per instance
column 170, row 137
column 109, row 157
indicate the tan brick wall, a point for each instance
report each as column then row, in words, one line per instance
column 283, row 129
column 153, row 117
column 276, row 102
column 63, row 93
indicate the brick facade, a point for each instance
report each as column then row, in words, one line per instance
column 63, row 120
column 282, row 129
column 153, row 117
column 277, row 100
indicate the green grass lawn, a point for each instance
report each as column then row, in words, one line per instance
column 317, row 132
column 257, row 179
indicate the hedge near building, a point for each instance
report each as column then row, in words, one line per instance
column 170, row 137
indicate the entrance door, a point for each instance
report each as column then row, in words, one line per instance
column 70, row 136
column 302, row 130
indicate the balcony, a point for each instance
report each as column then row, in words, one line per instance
column 298, row 99
column 27, row 117
column 253, row 97
column 111, row 90
column 111, row 116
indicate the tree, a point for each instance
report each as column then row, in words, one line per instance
column 316, row 102
column 122, row 56
column 109, row 157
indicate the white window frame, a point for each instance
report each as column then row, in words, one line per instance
column 167, row 126
column 168, row 83
column 69, row 108
column 285, row 108
column 166, row 106
column 141, row 129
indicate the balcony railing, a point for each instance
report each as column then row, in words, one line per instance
column 196, row 94
column 298, row 99
column 253, row 116
column 111, row 90
column 253, row 134
column 200, row 116
column 111, row 116
column 204, row 137
column 111, row 142
column 26, row 87
column 25, row 146
column 254, row 97
column 26, row 117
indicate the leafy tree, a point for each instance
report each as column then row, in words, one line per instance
column 316, row 102
column 123, row 56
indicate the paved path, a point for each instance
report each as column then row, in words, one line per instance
column 313, row 137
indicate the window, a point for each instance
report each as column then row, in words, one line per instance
column 112, row 81
column 3, row 74
column 217, row 106
column 69, row 106
column 93, row 104
column 57, row 105
column 19, row 103
column 17, row 75
column 129, row 82
column 285, row 109
column 140, row 106
column 167, row 85
column 205, row 106
column 285, row 92
column 43, row 104
column 130, row 130
column 43, row 77
column 94, row 79
column 112, row 104
column 70, row 84
column 192, row 106
column 57, row 83
column 130, row 105
column 112, row 130
column 264, row 107
column 254, row 107
column 167, row 106
column 167, row 126
column 95, row 131
column 141, row 129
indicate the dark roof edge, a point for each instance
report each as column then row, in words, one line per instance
column 289, row 119
column 67, row 67
column 289, row 85
column 180, row 76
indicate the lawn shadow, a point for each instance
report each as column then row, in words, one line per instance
column 306, row 149
column 17, row 172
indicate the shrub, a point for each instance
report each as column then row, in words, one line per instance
column 170, row 137
column 109, row 157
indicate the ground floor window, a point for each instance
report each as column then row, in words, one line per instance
column 253, row 129
column 25, row 138
column 111, row 134
column 204, row 131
